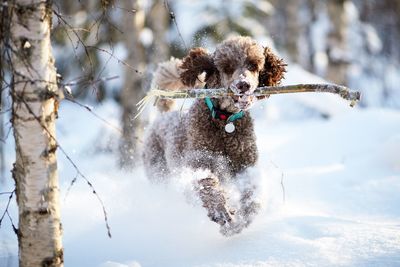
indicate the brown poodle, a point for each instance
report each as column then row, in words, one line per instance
column 215, row 134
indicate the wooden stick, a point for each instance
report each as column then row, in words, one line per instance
column 342, row 91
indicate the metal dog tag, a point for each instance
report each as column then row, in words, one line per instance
column 230, row 128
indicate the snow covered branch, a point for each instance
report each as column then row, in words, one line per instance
column 342, row 91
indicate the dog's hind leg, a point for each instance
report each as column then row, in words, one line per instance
column 156, row 166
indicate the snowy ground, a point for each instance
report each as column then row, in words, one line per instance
column 340, row 208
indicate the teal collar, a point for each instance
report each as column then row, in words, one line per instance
column 222, row 115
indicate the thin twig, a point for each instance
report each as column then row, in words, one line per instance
column 86, row 107
column 173, row 18
column 70, row 185
column 85, row 47
column 7, row 193
column 8, row 204
column 84, row 81
column 282, row 182
column 68, row 97
column 95, row 115
column 3, row 140
column 70, row 160
column 15, row 229
column 78, row 29
column 133, row 11
column 108, row 60
column 5, row 111
column 119, row 60
column 70, row 40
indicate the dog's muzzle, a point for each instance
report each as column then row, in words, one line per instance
column 244, row 102
column 243, row 98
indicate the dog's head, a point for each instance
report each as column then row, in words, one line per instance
column 239, row 64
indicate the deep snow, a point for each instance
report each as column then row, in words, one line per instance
column 341, row 178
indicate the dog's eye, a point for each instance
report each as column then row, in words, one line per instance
column 228, row 70
column 251, row 66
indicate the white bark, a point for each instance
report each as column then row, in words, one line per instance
column 132, row 91
column 159, row 23
column 294, row 28
column 35, row 170
column 337, row 42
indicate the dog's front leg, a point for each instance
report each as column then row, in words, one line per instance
column 249, row 202
column 249, row 206
column 213, row 199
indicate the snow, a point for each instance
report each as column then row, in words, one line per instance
column 146, row 37
column 339, row 207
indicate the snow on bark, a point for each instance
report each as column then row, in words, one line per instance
column 34, row 113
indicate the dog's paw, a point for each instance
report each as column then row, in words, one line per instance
column 241, row 219
column 248, row 210
column 221, row 215
column 232, row 228
column 213, row 199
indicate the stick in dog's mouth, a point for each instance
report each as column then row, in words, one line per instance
column 261, row 92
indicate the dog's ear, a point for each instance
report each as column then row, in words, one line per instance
column 273, row 70
column 194, row 64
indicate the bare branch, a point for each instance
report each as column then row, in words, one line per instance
column 173, row 18
column 70, row 185
column 22, row 100
column 15, row 229
column 7, row 193
column 80, row 41
column 85, row 81
column 68, row 97
column 119, row 60
column 261, row 92
column 3, row 140
column 96, row 115
column 342, row 91
column 282, row 182
column 6, row 210
column 132, row 11
column 108, row 60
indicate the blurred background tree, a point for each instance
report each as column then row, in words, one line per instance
column 145, row 41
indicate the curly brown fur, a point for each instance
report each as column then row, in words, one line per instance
column 197, row 140
column 214, row 201
column 194, row 64
column 273, row 70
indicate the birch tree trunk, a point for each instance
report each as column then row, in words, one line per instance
column 293, row 28
column 132, row 91
column 337, row 42
column 34, row 113
column 158, row 20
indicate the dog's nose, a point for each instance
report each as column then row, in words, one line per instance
column 243, row 86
